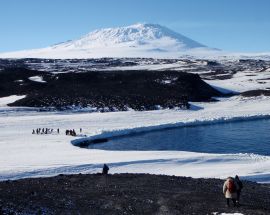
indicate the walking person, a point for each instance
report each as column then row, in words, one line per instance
column 230, row 190
column 240, row 187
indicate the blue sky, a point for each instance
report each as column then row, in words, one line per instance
column 231, row 25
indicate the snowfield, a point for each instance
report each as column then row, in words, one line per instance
column 27, row 155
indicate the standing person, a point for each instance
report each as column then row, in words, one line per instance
column 105, row 169
column 230, row 191
column 73, row 133
column 240, row 187
column 58, row 131
column 80, row 130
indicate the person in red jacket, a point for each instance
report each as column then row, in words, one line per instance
column 230, row 188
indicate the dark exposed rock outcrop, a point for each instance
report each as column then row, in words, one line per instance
column 106, row 90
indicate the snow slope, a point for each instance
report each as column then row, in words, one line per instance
column 4, row 101
column 27, row 155
column 139, row 40
column 243, row 81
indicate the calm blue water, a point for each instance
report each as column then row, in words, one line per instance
column 236, row 137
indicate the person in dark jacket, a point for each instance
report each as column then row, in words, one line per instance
column 240, row 187
column 105, row 169
column 74, row 133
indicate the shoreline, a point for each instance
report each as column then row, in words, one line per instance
column 139, row 130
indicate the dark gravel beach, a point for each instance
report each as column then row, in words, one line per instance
column 127, row 194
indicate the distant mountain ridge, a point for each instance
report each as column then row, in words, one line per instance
column 139, row 40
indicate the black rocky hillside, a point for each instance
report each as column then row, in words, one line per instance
column 105, row 90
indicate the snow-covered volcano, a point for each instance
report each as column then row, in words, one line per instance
column 139, row 40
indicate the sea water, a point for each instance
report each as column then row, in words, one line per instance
column 235, row 137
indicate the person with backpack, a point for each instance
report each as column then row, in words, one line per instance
column 230, row 188
column 240, row 187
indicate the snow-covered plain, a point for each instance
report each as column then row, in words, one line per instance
column 26, row 155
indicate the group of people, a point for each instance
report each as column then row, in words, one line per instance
column 232, row 190
column 72, row 132
column 44, row 131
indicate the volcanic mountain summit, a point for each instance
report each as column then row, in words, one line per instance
column 139, row 40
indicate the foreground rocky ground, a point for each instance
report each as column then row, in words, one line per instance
column 126, row 194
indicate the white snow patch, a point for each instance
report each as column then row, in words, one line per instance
column 19, row 81
column 37, row 79
column 166, row 81
column 242, row 81
column 4, row 101
column 217, row 213
column 231, row 214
